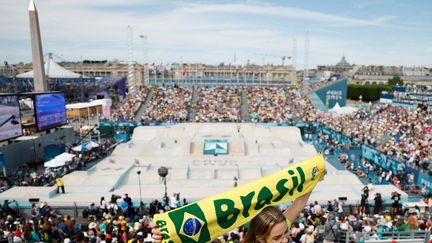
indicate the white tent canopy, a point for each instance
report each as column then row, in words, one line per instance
column 52, row 70
column 340, row 111
column 336, row 107
column 54, row 163
column 59, row 160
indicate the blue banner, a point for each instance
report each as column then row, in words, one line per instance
column 375, row 156
column 302, row 124
column 425, row 180
column 2, row 161
column 125, row 137
column 399, row 89
column 414, row 172
column 52, row 150
column 407, row 105
column 387, row 96
column 333, row 93
column 395, row 166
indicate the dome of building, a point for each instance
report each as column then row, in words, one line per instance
column 343, row 64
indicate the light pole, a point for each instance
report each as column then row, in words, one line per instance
column 145, row 64
column 163, row 172
column 16, row 88
column 139, row 184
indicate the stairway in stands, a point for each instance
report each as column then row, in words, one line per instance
column 143, row 106
column 192, row 108
column 244, row 105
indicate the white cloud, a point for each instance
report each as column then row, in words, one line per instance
column 285, row 12
column 197, row 32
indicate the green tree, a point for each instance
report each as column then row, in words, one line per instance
column 396, row 80
column 369, row 92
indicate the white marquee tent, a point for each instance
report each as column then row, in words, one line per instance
column 52, row 70
column 340, row 111
column 59, row 160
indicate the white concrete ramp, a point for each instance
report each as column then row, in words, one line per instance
column 253, row 151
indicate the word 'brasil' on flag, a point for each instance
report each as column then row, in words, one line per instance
column 209, row 218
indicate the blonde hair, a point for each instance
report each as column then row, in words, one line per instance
column 263, row 223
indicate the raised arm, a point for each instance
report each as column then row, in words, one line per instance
column 293, row 211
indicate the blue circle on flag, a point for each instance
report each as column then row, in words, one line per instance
column 191, row 226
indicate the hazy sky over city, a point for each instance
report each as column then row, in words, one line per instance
column 385, row 32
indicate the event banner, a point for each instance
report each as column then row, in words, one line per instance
column 375, row 156
column 209, row 218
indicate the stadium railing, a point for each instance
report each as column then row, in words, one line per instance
column 399, row 236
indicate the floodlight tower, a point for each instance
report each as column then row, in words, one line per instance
column 131, row 83
column 294, row 60
column 146, row 64
column 306, row 56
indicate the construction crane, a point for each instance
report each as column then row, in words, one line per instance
column 274, row 56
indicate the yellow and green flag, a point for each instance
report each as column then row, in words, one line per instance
column 211, row 217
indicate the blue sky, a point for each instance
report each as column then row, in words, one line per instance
column 380, row 32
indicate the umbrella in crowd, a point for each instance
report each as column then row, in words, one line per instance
column 85, row 147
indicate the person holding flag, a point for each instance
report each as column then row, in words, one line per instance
column 254, row 202
column 271, row 225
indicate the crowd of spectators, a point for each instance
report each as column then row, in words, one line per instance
column 400, row 132
column 411, row 94
column 48, row 225
column 268, row 104
column 119, row 220
column 313, row 85
column 404, row 133
column 218, row 104
column 34, row 174
column 169, row 103
column 130, row 105
column 402, row 179
column 332, row 222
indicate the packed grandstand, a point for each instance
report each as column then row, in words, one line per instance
column 402, row 134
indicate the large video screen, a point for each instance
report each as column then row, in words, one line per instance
column 50, row 110
column 215, row 147
column 10, row 120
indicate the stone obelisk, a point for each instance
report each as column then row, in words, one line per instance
column 39, row 79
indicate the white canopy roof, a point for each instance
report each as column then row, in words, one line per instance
column 103, row 102
column 336, row 107
column 52, row 70
column 340, row 111
column 59, row 160
column 54, row 163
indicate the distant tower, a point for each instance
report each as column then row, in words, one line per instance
column 39, row 79
column 306, row 57
column 294, row 62
column 131, row 84
column 146, row 64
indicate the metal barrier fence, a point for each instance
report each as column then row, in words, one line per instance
column 346, row 236
column 399, row 236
